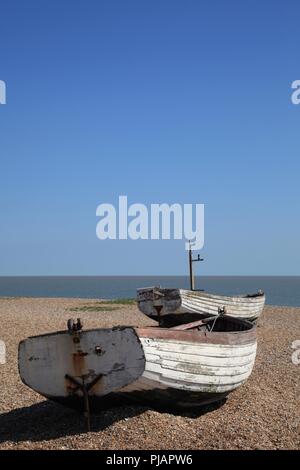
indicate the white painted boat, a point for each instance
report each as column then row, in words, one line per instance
column 156, row 302
column 186, row 365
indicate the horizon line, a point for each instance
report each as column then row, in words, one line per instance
column 148, row 275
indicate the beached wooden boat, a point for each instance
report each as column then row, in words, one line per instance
column 157, row 302
column 186, row 365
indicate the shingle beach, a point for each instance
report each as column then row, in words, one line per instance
column 262, row 414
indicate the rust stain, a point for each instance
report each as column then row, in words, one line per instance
column 79, row 363
column 158, row 309
column 70, row 387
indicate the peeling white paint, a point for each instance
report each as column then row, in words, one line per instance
column 202, row 367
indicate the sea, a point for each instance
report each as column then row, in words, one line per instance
column 279, row 290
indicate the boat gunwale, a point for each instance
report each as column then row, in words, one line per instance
column 155, row 332
column 60, row 332
column 188, row 292
column 209, row 337
column 242, row 297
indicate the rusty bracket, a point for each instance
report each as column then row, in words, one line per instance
column 80, row 385
column 74, row 326
column 85, row 388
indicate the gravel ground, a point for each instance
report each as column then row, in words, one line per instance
column 262, row 414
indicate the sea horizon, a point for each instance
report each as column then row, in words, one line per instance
column 279, row 290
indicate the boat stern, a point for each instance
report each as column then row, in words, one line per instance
column 156, row 302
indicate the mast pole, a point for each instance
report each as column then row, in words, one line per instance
column 191, row 267
column 191, row 261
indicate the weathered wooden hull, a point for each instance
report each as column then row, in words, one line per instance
column 163, row 367
column 193, row 368
column 157, row 302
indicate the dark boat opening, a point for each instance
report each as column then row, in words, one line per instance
column 225, row 324
column 222, row 323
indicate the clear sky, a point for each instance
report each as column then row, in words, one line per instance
column 164, row 101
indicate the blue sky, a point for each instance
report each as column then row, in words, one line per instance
column 163, row 101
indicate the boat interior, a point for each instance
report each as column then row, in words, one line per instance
column 221, row 323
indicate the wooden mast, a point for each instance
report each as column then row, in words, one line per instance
column 191, row 261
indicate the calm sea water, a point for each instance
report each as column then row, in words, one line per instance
column 279, row 290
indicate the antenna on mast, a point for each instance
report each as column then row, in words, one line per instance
column 191, row 261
